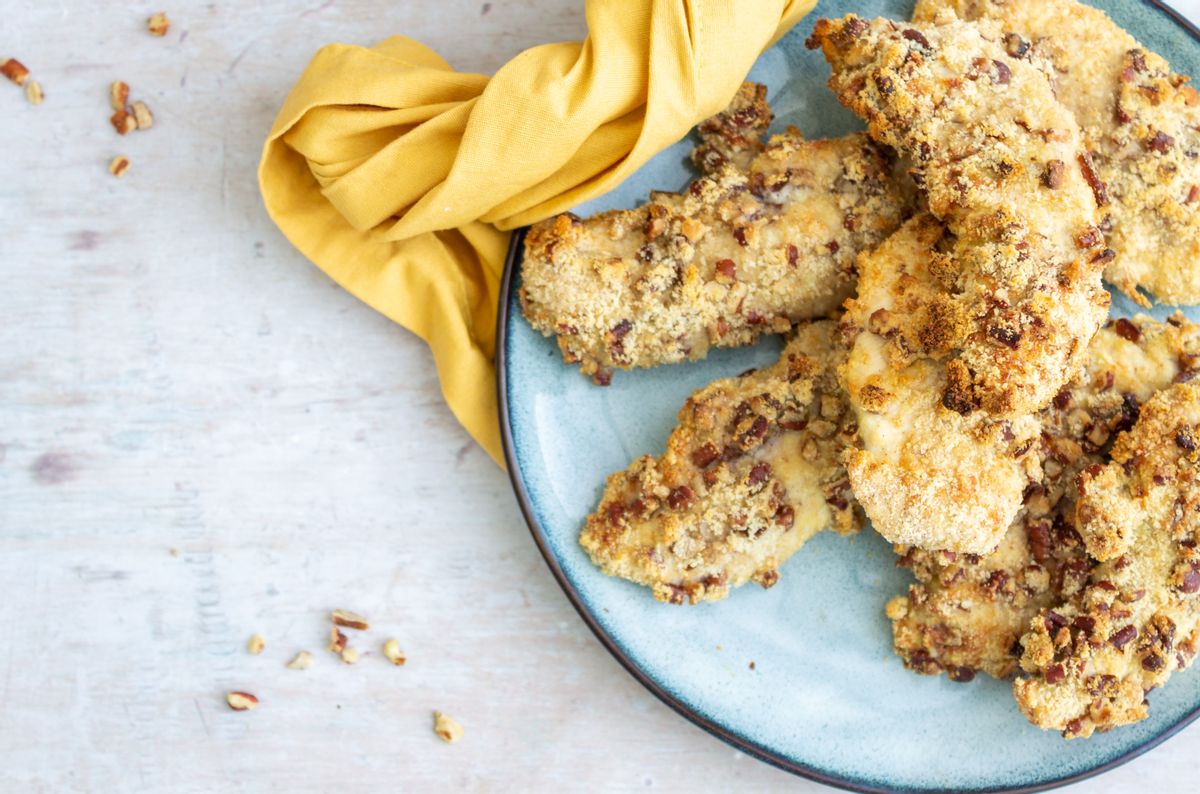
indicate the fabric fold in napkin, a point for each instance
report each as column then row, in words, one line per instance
column 400, row 177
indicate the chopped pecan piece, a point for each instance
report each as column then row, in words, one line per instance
column 301, row 661
column 118, row 96
column 241, row 701
column 123, row 122
column 14, row 70
column 347, row 619
column 118, row 166
column 447, row 728
column 142, row 115
column 158, row 24
column 392, row 652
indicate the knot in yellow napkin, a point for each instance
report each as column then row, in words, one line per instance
column 399, row 177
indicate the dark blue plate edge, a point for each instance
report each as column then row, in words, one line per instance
column 740, row 743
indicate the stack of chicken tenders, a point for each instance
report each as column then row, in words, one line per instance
column 951, row 372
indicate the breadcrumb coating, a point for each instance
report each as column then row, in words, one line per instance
column 1004, row 166
column 967, row 613
column 926, row 473
column 740, row 253
column 734, row 136
column 750, row 473
column 1141, row 124
column 1091, row 660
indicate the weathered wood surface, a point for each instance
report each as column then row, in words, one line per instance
column 202, row 437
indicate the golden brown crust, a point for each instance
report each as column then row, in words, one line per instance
column 930, row 471
column 967, row 613
column 1151, row 162
column 1004, row 166
column 738, row 254
column 750, row 473
column 1079, row 43
column 1091, row 660
column 734, row 136
column 1140, row 122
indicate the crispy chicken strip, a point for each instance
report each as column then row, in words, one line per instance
column 1151, row 162
column 1004, row 166
column 738, row 254
column 926, row 473
column 751, row 472
column 1140, row 120
column 1092, row 659
column 986, row 319
column 1079, row 38
column 967, row 613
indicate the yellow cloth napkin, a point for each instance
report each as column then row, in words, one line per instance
column 399, row 177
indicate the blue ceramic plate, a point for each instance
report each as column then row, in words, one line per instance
column 827, row 698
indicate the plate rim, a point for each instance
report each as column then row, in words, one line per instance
column 777, row 760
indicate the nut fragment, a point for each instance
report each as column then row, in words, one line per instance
column 15, row 70
column 241, row 701
column 346, row 618
column 142, row 115
column 349, row 655
column 118, row 95
column 124, row 123
column 392, row 652
column 256, row 644
column 1053, row 176
column 1161, row 142
column 337, row 640
column 34, row 92
column 302, row 661
column 118, row 166
column 447, row 727
column 1015, row 46
column 158, row 25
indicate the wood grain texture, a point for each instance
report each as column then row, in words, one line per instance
column 201, row 437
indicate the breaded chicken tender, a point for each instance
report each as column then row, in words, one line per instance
column 1078, row 38
column 750, row 473
column 740, row 253
column 967, row 613
column 1141, row 123
column 1004, row 166
column 1151, row 162
column 1091, row 660
column 926, row 473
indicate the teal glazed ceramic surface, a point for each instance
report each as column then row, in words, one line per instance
column 827, row 698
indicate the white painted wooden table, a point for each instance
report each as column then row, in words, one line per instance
column 202, row 437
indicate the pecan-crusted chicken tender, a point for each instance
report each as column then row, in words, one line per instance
column 1141, row 123
column 1092, row 659
column 960, row 334
column 1004, row 166
column 1152, row 165
column 737, row 254
column 926, row 474
column 751, row 472
column 967, row 613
